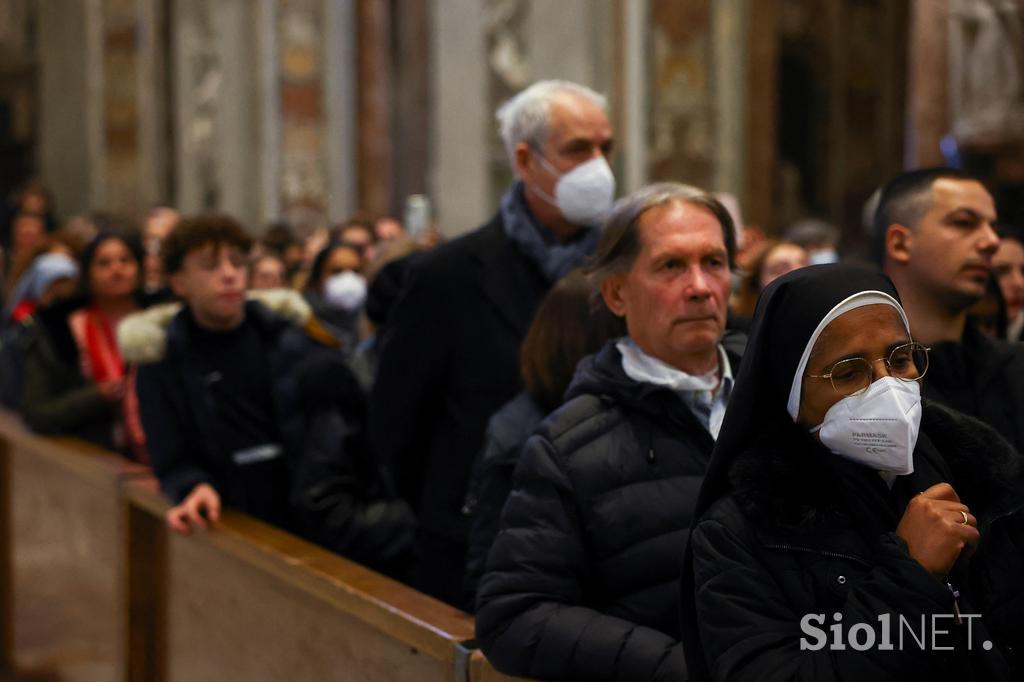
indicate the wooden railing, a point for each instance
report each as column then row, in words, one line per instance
column 94, row 587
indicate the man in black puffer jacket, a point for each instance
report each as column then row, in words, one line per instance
column 582, row 580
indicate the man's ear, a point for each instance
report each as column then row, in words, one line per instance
column 899, row 240
column 177, row 282
column 611, row 292
column 524, row 156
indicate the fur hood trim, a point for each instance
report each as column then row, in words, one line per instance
column 142, row 337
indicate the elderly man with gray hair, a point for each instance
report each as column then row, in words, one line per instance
column 449, row 358
column 582, row 582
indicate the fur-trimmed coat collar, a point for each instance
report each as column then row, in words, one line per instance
column 142, row 337
column 801, row 486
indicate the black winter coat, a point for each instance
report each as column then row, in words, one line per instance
column 582, row 581
column 981, row 377
column 812, row 533
column 491, row 484
column 336, row 494
column 448, row 361
column 56, row 399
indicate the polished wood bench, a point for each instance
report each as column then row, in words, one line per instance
column 94, row 586
column 247, row 601
column 61, row 539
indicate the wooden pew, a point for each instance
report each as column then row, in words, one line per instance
column 94, row 587
column 61, row 543
column 247, row 601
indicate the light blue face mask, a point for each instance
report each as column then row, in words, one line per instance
column 823, row 257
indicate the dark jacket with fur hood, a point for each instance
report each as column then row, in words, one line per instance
column 336, row 493
column 806, row 532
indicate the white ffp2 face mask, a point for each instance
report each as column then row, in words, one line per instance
column 584, row 195
column 346, row 291
column 877, row 428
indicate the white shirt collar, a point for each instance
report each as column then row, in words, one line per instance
column 643, row 368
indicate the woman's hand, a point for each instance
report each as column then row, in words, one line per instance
column 935, row 531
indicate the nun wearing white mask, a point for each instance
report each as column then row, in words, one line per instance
column 842, row 520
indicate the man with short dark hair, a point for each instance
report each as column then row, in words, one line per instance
column 449, row 357
column 242, row 407
column 582, row 581
column 935, row 237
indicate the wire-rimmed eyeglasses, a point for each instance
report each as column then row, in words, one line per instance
column 908, row 362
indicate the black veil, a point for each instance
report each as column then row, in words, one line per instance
column 788, row 312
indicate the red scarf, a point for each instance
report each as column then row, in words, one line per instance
column 101, row 361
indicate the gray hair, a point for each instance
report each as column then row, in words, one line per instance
column 524, row 118
column 620, row 239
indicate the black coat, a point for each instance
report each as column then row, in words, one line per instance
column 982, row 377
column 807, row 532
column 448, row 361
column 56, row 399
column 491, row 484
column 582, row 580
column 335, row 493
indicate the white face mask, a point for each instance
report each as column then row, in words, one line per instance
column 345, row 291
column 823, row 257
column 877, row 428
column 584, row 195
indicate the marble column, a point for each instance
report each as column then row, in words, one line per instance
column 375, row 105
column 928, row 116
column 462, row 127
column 729, row 91
column 70, row 115
column 301, row 107
column 633, row 94
column 341, row 105
column 682, row 125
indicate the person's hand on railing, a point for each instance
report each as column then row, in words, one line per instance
column 198, row 509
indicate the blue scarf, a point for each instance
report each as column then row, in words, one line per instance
column 536, row 242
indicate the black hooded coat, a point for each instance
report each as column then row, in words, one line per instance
column 786, row 529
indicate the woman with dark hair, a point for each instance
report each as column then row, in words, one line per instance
column 566, row 327
column 75, row 381
column 336, row 290
column 772, row 261
column 1008, row 263
column 847, row 530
